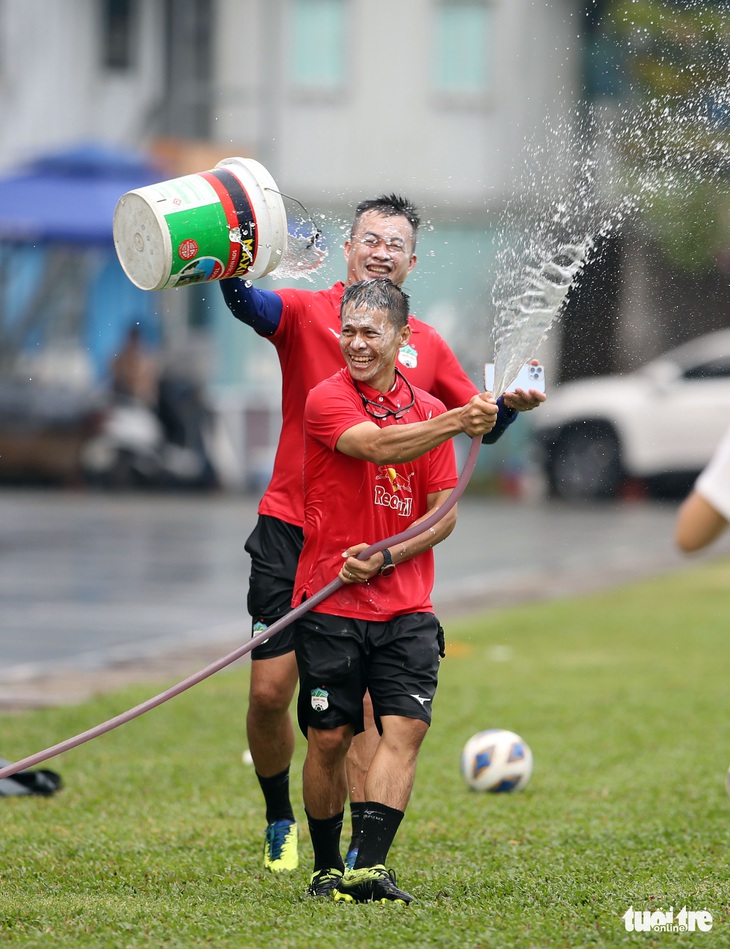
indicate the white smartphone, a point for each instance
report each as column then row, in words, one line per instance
column 529, row 377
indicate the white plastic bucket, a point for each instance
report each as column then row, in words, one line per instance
column 229, row 221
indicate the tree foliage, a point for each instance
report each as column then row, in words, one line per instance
column 676, row 140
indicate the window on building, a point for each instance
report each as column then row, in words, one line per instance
column 317, row 58
column 199, row 302
column 189, row 55
column 117, row 36
column 462, row 46
column 603, row 66
column 603, row 54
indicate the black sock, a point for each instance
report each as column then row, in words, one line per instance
column 276, row 795
column 325, row 836
column 380, row 824
column 356, row 813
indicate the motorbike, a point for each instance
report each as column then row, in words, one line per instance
column 138, row 447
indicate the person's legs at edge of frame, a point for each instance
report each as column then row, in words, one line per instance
column 411, row 644
column 274, row 547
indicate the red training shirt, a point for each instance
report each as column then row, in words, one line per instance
column 307, row 342
column 349, row 501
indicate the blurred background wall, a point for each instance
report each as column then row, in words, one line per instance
column 441, row 100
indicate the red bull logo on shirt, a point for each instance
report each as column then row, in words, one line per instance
column 390, row 493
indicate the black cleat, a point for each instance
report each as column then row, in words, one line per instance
column 323, row 882
column 370, row 885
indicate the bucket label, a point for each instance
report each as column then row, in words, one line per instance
column 188, row 249
column 241, row 220
column 200, row 244
column 212, row 227
column 190, row 191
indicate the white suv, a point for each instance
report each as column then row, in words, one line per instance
column 660, row 423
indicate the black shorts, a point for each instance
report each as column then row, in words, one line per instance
column 340, row 658
column 274, row 547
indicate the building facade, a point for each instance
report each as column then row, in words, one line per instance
column 442, row 100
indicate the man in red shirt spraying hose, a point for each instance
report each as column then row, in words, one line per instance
column 378, row 458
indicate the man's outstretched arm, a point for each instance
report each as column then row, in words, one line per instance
column 259, row 309
column 698, row 524
column 396, row 444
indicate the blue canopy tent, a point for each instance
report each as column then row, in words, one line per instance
column 58, row 269
column 69, row 197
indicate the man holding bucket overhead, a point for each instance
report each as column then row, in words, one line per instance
column 304, row 327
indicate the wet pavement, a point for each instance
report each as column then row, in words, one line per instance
column 93, row 582
column 87, row 578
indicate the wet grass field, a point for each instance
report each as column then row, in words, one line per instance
column 622, row 695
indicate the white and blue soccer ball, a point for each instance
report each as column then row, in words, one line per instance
column 496, row 760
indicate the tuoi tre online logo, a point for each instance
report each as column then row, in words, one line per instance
column 647, row 921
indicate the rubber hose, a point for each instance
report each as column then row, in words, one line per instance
column 272, row 630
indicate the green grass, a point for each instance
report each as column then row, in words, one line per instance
column 623, row 697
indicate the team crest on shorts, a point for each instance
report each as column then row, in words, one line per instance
column 320, row 700
column 408, row 356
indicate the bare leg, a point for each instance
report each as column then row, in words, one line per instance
column 325, row 787
column 393, row 768
column 271, row 742
column 387, row 789
column 361, row 754
column 268, row 722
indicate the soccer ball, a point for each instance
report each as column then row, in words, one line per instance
column 496, row 760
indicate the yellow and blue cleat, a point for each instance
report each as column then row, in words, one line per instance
column 281, row 846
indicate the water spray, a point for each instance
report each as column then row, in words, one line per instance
column 305, row 253
column 526, row 319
